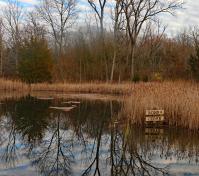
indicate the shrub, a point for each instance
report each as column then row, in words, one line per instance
column 136, row 78
column 35, row 61
column 145, row 78
column 157, row 77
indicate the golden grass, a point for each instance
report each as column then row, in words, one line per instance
column 13, row 85
column 180, row 100
column 98, row 88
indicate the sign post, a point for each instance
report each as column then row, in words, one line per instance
column 154, row 116
column 153, row 121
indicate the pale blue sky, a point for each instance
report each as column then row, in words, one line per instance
column 184, row 18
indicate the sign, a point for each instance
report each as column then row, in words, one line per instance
column 154, row 116
column 154, row 112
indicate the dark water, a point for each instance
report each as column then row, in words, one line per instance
column 89, row 140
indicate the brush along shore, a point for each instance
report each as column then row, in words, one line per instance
column 179, row 99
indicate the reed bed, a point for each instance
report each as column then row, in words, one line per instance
column 99, row 88
column 180, row 100
column 13, row 85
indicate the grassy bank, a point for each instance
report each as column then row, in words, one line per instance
column 179, row 99
column 100, row 88
column 13, row 85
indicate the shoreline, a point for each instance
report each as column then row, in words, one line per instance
column 179, row 99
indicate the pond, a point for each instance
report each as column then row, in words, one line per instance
column 89, row 139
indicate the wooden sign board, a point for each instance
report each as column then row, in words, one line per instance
column 154, row 118
column 154, row 112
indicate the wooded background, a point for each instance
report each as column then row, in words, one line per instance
column 46, row 44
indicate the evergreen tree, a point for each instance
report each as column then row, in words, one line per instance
column 35, row 64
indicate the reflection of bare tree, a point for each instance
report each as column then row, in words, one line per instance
column 10, row 154
column 126, row 159
column 54, row 156
column 97, row 130
column 96, row 158
column 54, row 140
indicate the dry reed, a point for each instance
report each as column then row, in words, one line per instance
column 13, row 85
column 180, row 100
column 99, row 88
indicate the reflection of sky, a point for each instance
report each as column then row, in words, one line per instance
column 80, row 152
column 22, row 170
column 21, row 166
column 177, row 167
column 188, row 16
column 82, row 159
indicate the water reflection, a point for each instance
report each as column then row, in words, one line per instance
column 87, row 141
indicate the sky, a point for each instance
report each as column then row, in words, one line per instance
column 183, row 19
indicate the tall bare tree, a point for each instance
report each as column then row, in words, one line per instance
column 12, row 20
column 34, row 27
column 1, row 47
column 59, row 15
column 138, row 13
column 118, row 24
column 99, row 8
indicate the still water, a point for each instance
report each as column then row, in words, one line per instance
column 88, row 140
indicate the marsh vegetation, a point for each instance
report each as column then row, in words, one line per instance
column 38, row 140
column 74, row 88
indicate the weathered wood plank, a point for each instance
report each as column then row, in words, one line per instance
column 154, row 112
column 154, row 118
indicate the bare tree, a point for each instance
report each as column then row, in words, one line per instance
column 138, row 12
column 12, row 17
column 34, row 26
column 99, row 8
column 59, row 15
column 151, row 44
column 118, row 24
column 1, row 47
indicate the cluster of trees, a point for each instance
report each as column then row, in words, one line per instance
column 119, row 40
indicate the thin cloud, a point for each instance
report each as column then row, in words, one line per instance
column 183, row 18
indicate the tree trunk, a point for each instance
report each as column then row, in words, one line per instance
column 113, row 65
column 1, row 57
column 132, row 54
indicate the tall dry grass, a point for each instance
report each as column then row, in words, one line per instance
column 180, row 100
column 100, row 88
column 13, row 85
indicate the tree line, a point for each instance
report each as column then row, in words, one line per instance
column 117, row 40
